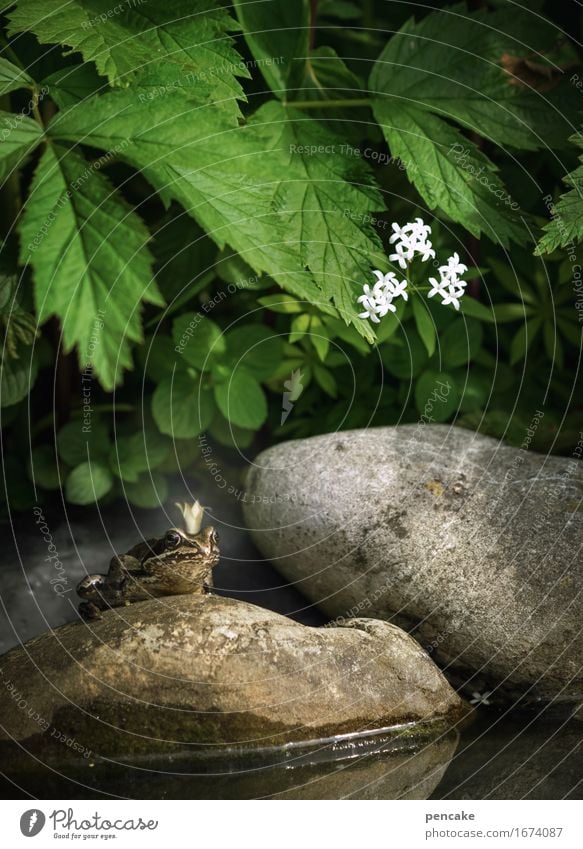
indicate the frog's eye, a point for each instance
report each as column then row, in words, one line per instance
column 172, row 539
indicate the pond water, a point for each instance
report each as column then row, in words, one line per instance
column 502, row 754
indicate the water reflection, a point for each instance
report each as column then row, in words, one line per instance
column 401, row 764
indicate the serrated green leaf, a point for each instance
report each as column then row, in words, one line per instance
column 87, row 483
column 17, row 376
column 195, row 156
column 131, row 40
column 198, row 339
column 450, row 172
column 69, row 86
column 92, row 267
column 181, row 407
column 424, row 324
column 566, row 224
column 280, row 209
column 464, row 66
column 19, row 135
column 278, row 36
column 241, row 400
column 12, row 77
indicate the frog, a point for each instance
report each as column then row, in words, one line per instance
column 179, row 562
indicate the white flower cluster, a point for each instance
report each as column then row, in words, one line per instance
column 378, row 300
column 449, row 287
column 410, row 240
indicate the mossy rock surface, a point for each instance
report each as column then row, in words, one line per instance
column 213, row 672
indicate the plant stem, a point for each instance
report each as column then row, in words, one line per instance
column 329, row 104
column 313, row 16
column 35, row 108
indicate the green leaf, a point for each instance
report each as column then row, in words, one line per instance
column 283, row 210
column 198, row 339
column 255, row 348
column 460, row 342
column 138, row 453
column 323, row 182
column 17, row 376
column 450, row 172
column 91, row 265
column 88, row 483
column 524, row 339
column 424, row 324
column 69, row 86
column 300, row 325
column 282, row 303
column 182, row 407
column 79, row 441
column 325, row 380
column 130, row 40
column 224, row 176
column 278, row 36
column 566, row 224
column 184, row 255
column 511, row 312
column 475, row 388
column 19, row 135
column 43, row 469
column 242, row 401
column 159, row 358
column 319, row 337
column 436, row 396
column 12, row 77
column 149, row 491
column 470, row 306
column 230, row 435
column 465, row 67
column 406, row 360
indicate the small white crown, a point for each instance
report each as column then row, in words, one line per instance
column 193, row 515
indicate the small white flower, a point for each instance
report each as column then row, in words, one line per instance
column 438, row 287
column 452, row 296
column 370, row 309
column 399, row 290
column 399, row 233
column 426, row 251
column 453, row 268
column 403, row 253
column 480, row 698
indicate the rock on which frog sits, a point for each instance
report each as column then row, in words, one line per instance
column 472, row 545
column 201, row 669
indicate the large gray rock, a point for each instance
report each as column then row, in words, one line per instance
column 196, row 671
column 472, row 545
